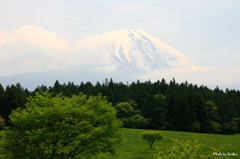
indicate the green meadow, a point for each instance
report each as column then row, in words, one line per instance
column 134, row 147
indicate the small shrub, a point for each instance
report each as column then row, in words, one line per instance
column 151, row 137
column 186, row 150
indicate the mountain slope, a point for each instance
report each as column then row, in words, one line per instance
column 139, row 51
column 134, row 47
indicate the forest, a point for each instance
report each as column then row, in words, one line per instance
column 147, row 105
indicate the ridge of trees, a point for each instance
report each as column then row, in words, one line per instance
column 149, row 105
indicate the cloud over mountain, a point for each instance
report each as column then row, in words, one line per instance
column 33, row 49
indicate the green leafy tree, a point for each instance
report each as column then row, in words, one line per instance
column 60, row 127
column 151, row 137
column 135, row 121
column 124, row 110
column 130, row 117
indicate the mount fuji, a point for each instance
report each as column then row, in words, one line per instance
column 124, row 55
column 137, row 51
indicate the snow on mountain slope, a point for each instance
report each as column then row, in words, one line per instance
column 138, row 51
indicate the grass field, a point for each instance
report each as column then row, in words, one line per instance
column 133, row 147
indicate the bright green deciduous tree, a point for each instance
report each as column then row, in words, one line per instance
column 151, row 137
column 60, row 127
column 124, row 110
column 130, row 118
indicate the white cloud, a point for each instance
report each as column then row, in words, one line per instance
column 33, row 49
column 92, row 51
column 36, row 37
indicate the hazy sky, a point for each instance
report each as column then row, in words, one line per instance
column 208, row 31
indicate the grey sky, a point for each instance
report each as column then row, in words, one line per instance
column 205, row 30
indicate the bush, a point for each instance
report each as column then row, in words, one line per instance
column 186, row 150
column 135, row 121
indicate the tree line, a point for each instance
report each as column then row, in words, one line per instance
column 148, row 105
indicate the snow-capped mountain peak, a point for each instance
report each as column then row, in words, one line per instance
column 139, row 50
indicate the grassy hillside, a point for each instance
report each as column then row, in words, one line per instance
column 133, row 147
